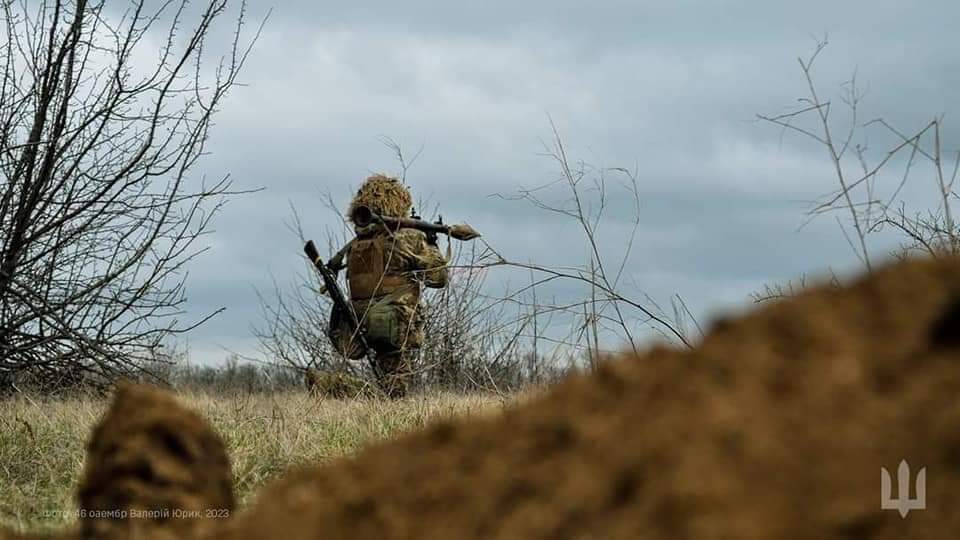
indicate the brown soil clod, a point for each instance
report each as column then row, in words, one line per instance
column 152, row 465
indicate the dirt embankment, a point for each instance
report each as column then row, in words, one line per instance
column 776, row 426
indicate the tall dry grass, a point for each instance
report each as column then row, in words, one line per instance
column 42, row 440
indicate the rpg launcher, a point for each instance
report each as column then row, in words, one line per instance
column 363, row 216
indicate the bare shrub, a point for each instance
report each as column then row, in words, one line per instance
column 236, row 376
column 608, row 311
column 476, row 339
column 100, row 207
column 873, row 162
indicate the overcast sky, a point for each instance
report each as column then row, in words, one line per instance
column 668, row 88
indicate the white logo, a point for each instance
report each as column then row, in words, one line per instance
column 903, row 503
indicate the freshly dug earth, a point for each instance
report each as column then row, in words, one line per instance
column 776, row 426
column 156, row 461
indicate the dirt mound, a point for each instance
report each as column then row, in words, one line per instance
column 154, row 464
column 775, row 427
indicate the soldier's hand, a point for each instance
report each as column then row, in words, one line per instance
column 432, row 235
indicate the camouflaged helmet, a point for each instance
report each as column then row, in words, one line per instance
column 384, row 195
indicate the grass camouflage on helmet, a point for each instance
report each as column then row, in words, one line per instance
column 384, row 195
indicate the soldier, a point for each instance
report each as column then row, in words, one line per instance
column 386, row 270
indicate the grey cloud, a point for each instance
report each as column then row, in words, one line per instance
column 669, row 87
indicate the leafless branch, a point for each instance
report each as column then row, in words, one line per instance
column 101, row 208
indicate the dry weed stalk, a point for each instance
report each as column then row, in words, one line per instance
column 858, row 171
column 606, row 313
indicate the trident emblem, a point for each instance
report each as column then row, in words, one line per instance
column 903, row 503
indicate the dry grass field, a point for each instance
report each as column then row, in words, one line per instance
column 42, row 440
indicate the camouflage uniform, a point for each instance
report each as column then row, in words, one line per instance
column 386, row 271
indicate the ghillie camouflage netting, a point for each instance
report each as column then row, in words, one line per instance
column 384, row 195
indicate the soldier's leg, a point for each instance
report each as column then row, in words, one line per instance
column 395, row 372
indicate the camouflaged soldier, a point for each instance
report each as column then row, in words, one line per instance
column 386, row 271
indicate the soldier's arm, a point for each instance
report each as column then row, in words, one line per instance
column 337, row 262
column 435, row 267
column 428, row 264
